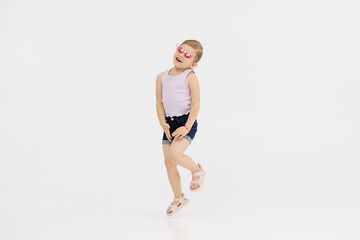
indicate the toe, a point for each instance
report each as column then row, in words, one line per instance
column 194, row 186
column 169, row 210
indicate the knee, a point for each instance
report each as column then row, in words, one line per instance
column 174, row 156
column 169, row 164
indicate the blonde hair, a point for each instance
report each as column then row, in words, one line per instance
column 197, row 46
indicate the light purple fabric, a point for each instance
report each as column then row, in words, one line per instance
column 176, row 96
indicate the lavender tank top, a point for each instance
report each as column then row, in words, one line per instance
column 176, row 96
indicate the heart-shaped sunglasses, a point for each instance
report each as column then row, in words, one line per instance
column 181, row 50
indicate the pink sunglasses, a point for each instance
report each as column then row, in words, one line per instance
column 181, row 50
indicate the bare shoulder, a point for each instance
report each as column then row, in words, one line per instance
column 191, row 78
column 159, row 76
column 159, row 87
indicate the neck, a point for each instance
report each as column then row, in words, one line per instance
column 178, row 70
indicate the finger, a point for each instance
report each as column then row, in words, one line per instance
column 178, row 136
column 168, row 135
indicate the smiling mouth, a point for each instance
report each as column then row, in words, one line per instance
column 178, row 60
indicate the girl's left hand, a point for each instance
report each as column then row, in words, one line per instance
column 179, row 133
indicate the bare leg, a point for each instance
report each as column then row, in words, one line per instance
column 174, row 178
column 177, row 155
column 173, row 174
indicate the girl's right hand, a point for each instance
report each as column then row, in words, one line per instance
column 166, row 128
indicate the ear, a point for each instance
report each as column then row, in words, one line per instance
column 194, row 64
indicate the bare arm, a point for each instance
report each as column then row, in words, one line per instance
column 194, row 86
column 159, row 105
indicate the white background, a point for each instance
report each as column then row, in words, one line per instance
column 278, row 134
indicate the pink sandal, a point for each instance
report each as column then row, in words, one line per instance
column 199, row 181
column 183, row 201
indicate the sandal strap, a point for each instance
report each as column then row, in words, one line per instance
column 198, row 181
column 180, row 199
column 173, row 207
column 200, row 173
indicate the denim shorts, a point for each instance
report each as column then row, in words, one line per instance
column 176, row 122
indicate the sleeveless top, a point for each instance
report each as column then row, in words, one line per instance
column 176, row 96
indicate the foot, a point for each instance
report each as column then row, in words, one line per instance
column 194, row 186
column 175, row 203
column 197, row 179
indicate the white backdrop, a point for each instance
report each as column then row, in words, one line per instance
column 278, row 134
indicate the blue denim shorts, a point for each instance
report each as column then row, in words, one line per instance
column 176, row 122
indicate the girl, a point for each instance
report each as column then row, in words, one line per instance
column 177, row 106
